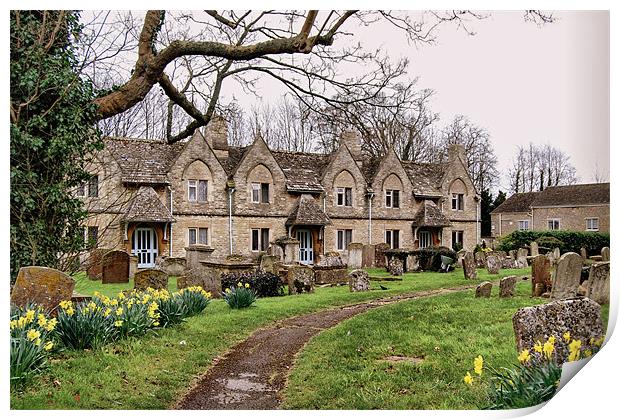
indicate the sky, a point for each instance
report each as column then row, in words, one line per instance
column 522, row 82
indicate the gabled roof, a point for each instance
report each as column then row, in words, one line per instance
column 573, row 195
column 302, row 170
column 430, row 215
column 235, row 155
column 425, row 177
column 517, row 203
column 146, row 206
column 307, row 212
column 143, row 161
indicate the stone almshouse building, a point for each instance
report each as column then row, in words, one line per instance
column 150, row 198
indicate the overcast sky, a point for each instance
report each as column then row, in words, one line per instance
column 521, row 82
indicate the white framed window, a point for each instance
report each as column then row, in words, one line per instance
column 260, row 239
column 197, row 190
column 191, row 190
column 392, row 199
column 344, row 196
column 343, row 238
column 592, row 223
column 392, row 238
column 89, row 188
column 524, row 225
column 91, row 236
column 198, row 236
column 260, row 192
column 553, row 224
column 458, row 202
column 424, row 239
column 457, row 238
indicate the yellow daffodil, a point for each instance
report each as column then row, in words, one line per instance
column 156, row 323
column 119, row 311
column 51, row 324
column 468, row 379
column 567, row 336
column 66, row 304
column 247, row 285
column 121, row 295
column 538, row 348
column 551, row 339
column 227, row 290
column 41, row 320
column 524, row 356
column 118, row 323
column 107, row 312
column 30, row 315
column 478, row 363
column 70, row 311
column 575, row 345
column 92, row 305
column 548, row 348
column 13, row 324
column 33, row 335
column 37, row 342
column 239, row 284
column 48, row 346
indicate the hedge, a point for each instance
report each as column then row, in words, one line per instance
column 568, row 241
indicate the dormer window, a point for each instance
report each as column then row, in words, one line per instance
column 89, row 188
column 197, row 190
column 392, row 199
column 344, row 197
column 458, row 202
column 260, row 192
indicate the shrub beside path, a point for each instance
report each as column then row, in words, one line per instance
column 252, row 374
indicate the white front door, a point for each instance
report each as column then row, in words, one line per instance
column 306, row 253
column 144, row 245
column 425, row 238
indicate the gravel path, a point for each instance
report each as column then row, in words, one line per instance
column 253, row 373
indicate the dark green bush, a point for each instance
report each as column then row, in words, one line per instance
column 550, row 242
column 572, row 241
column 262, row 283
column 240, row 296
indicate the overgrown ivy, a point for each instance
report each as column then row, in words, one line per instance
column 53, row 130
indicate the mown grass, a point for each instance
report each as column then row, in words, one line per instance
column 86, row 286
column 342, row 368
column 154, row 371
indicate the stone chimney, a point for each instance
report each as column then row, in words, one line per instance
column 353, row 141
column 216, row 133
column 456, row 151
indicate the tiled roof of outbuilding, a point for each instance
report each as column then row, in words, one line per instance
column 430, row 215
column 573, row 195
column 307, row 212
column 146, row 206
column 517, row 203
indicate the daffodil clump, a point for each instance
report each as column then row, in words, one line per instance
column 536, row 377
column 239, row 297
column 31, row 339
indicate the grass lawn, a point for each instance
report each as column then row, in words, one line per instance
column 153, row 371
column 342, row 368
column 86, row 286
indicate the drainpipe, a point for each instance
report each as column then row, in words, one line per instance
column 230, row 220
column 478, row 222
column 500, row 224
column 170, row 237
column 370, row 197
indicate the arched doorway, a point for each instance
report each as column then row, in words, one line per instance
column 144, row 246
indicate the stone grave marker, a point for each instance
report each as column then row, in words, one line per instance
column 368, row 256
column 412, row 263
column 567, row 276
column 541, row 274
column 459, row 258
column 469, row 266
column 156, row 279
column 173, row 266
column 598, row 283
column 493, row 264
column 508, row 262
column 605, row 253
column 115, row 267
column 43, row 286
column 484, row 289
column 533, row 248
column 94, row 267
column 268, row 263
column 359, row 281
column 579, row 316
column 395, row 267
column 133, row 265
column 481, row 259
column 507, row 287
column 355, row 255
column 583, row 252
column 300, row 279
column 380, row 260
column 181, row 282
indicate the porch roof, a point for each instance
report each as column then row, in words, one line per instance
column 307, row 212
column 146, row 206
column 430, row 215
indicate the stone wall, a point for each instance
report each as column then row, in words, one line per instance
column 572, row 218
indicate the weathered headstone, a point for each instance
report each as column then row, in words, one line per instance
column 605, row 253
column 412, row 263
column 133, row 265
column 355, row 255
column 598, row 283
column 533, row 248
column 459, row 258
column 155, row 279
column 567, row 276
column 508, row 262
column 368, row 256
column 522, row 252
column 579, row 316
column 276, row 251
column 358, row 281
column 395, row 267
column 521, row 262
column 512, row 254
column 469, row 266
column 268, row 263
column 484, row 289
column 173, row 266
column 583, row 252
column 582, row 290
column 94, row 267
column 481, row 259
column 291, row 250
column 541, row 274
column 300, row 279
column 115, row 267
column 507, row 286
column 181, row 282
column 380, row 260
column 43, row 286
column 493, row 264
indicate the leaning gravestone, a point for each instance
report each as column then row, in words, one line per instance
column 43, row 286
column 484, row 289
column 481, row 259
column 359, row 281
column 567, row 276
column 541, row 274
column 355, row 255
column 155, row 279
column 598, row 283
column 115, row 267
column 300, row 279
column 605, row 253
column 522, row 252
column 469, row 266
column 579, row 316
column 507, row 286
column 533, row 248
column 493, row 264
column 395, row 267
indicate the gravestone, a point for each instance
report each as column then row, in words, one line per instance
column 359, row 281
column 115, row 267
column 508, row 262
column 584, row 253
column 94, row 267
column 493, row 264
column 133, row 265
column 567, row 276
column 507, row 286
column 484, row 289
column 181, row 282
column 541, row 274
column 268, row 263
column 533, row 248
column 395, row 267
column 300, row 279
column 43, row 286
column 276, row 251
column 368, row 256
column 469, row 266
column 522, row 252
column 521, row 262
column 579, row 316
column 355, row 255
column 481, row 259
column 412, row 263
column 512, row 254
column 459, row 258
column 380, row 249
column 598, row 283
column 501, row 254
column 173, row 266
column 605, row 253
column 155, row 279
column 291, row 250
